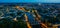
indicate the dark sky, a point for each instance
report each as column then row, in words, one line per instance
column 30, row 1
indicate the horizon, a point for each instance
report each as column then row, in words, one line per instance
column 29, row 1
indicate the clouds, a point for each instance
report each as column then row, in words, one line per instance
column 31, row 1
column 51, row 1
column 42, row 1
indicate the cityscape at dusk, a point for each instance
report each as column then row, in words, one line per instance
column 29, row 13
